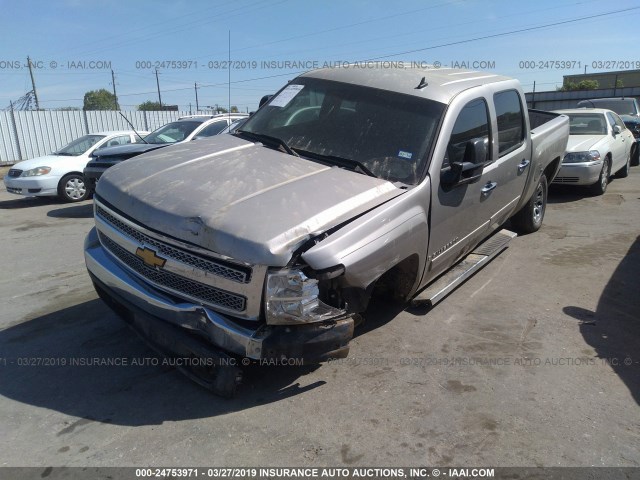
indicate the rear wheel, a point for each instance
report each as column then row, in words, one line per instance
column 529, row 218
column 635, row 155
column 72, row 188
column 600, row 186
column 624, row 171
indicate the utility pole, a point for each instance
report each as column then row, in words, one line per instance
column 195, row 85
column 158, row 84
column 533, row 96
column 115, row 97
column 33, row 84
column 229, row 111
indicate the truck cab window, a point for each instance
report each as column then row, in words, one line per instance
column 510, row 121
column 472, row 124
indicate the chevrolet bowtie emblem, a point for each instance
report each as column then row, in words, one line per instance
column 150, row 258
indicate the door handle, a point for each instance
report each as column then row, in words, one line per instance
column 488, row 187
column 523, row 164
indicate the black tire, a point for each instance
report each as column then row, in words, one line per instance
column 624, row 171
column 635, row 155
column 529, row 218
column 72, row 188
column 601, row 185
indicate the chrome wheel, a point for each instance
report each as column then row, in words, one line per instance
column 538, row 204
column 604, row 175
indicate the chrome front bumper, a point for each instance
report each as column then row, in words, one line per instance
column 219, row 330
column 586, row 173
column 311, row 343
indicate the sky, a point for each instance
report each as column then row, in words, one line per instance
column 74, row 44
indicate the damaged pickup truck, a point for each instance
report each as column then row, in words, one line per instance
column 268, row 243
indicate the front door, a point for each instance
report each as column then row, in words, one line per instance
column 461, row 211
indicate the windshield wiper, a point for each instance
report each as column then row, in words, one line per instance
column 355, row 165
column 261, row 137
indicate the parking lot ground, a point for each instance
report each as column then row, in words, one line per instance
column 535, row 361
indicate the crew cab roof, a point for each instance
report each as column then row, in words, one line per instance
column 442, row 83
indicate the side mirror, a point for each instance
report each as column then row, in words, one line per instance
column 474, row 159
column 264, row 100
column 475, row 151
column 617, row 130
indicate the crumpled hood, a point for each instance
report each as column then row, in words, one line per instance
column 238, row 198
column 584, row 143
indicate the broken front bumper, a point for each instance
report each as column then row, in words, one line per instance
column 200, row 329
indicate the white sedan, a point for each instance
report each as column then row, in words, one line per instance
column 60, row 173
column 599, row 145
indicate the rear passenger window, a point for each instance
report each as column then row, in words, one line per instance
column 472, row 124
column 510, row 121
column 214, row 129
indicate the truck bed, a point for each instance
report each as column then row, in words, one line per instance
column 549, row 136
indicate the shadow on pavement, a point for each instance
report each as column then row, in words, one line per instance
column 85, row 362
column 28, row 202
column 613, row 330
column 76, row 211
column 36, row 368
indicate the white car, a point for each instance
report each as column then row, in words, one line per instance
column 599, row 145
column 60, row 173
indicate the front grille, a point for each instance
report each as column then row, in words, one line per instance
column 180, row 285
column 235, row 273
column 566, row 180
column 14, row 172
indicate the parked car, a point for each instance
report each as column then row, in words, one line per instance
column 269, row 243
column 628, row 110
column 182, row 130
column 633, row 124
column 599, row 145
column 60, row 173
column 619, row 105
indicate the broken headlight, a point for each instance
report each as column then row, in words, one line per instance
column 293, row 298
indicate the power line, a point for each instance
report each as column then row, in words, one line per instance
column 475, row 39
column 512, row 32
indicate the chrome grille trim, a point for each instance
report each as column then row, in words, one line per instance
column 131, row 236
column 176, row 284
column 240, row 274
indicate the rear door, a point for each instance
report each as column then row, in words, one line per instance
column 619, row 145
column 513, row 153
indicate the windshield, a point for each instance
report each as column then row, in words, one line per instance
column 80, row 145
column 388, row 133
column 172, row 132
column 587, row 124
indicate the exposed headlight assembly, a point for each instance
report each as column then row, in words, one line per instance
column 34, row 172
column 582, row 157
column 293, row 298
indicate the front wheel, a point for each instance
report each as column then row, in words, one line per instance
column 600, row 186
column 529, row 218
column 72, row 188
